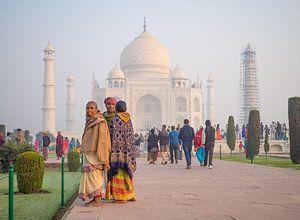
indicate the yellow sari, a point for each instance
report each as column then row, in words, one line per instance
column 120, row 188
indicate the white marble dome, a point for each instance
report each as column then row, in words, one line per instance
column 116, row 73
column 145, row 54
column 178, row 74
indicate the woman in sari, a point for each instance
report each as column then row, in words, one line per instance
column 96, row 148
column 122, row 157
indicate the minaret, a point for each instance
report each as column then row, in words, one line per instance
column 49, row 90
column 70, row 116
column 211, row 109
column 249, row 84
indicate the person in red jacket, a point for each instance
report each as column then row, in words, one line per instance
column 199, row 145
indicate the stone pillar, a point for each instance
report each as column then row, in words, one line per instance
column 49, row 90
column 70, row 114
column 211, row 108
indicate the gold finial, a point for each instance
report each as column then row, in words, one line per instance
column 144, row 24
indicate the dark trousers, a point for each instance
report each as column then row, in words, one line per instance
column 209, row 153
column 174, row 152
column 187, row 148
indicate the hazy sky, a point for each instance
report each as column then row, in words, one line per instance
column 203, row 37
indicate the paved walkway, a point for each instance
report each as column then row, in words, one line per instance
column 229, row 191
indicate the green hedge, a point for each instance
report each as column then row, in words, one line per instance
column 294, row 124
column 73, row 161
column 30, row 169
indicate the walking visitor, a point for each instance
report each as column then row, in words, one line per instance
column 46, row 143
column 163, row 138
column 66, row 145
column 59, row 145
column 187, row 136
column 199, row 145
column 209, row 144
column 152, row 147
column 174, row 144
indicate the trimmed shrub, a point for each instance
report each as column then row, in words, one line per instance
column 294, row 124
column 73, row 161
column 253, row 134
column 30, row 169
column 231, row 137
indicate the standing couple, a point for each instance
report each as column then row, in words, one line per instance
column 107, row 147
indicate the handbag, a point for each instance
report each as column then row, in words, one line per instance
column 200, row 154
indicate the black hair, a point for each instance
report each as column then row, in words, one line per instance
column 186, row 121
column 121, row 106
column 207, row 123
column 172, row 127
column 92, row 103
column 152, row 131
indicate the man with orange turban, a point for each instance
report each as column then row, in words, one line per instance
column 110, row 104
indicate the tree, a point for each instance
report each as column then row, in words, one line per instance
column 2, row 129
column 294, row 124
column 9, row 153
column 254, row 134
column 231, row 136
column 266, row 144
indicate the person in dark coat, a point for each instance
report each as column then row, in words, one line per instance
column 46, row 143
column 152, row 147
column 209, row 143
column 186, row 134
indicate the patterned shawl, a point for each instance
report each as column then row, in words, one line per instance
column 122, row 152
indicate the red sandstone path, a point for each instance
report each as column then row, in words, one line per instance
column 229, row 191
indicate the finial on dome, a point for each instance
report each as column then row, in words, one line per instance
column 144, row 24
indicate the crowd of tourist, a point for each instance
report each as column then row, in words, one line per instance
column 170, row 142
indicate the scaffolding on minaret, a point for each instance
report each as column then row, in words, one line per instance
column 249, row 84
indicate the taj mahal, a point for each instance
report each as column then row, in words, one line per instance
column 155, row 93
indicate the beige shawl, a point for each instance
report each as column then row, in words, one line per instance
column 96, row 138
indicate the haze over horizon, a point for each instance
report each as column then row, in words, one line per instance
column 203, row 37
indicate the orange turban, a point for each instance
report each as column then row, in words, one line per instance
column 110, row 100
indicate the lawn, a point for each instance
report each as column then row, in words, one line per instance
column 42, row 205
column 260, row 160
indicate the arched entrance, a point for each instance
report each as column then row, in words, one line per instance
column 148, row 113
column 196, row 123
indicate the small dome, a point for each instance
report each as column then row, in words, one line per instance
column 179, row 74
column 116, row 73
column 71, row 78
column 211, row 77
column 49, row 47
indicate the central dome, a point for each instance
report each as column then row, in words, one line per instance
column 145, row 54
